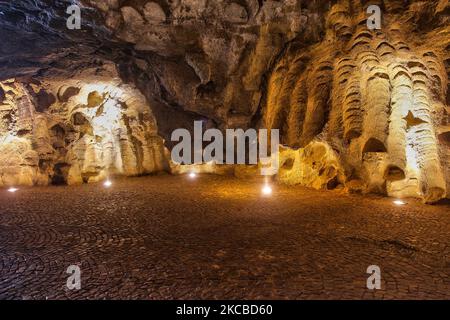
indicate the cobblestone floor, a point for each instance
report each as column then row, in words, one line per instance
column 167, row 237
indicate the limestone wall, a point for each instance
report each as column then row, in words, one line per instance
column 378, row 98
column 76, row 130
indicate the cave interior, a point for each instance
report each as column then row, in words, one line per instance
column 360, row 110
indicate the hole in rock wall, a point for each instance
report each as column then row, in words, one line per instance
column 333, row 183
column 58, row 135
column 205, row 89
column 6, row 121
column 95, row 99
column 84, row 125
column 444, row 138
column 44, row 100
column 43, row 165
column 327, row 171
column 352, row 134
column 23, row 132
column 412, row 121
column 79, row 119
column 58, row 132
column 60, row 172
column 394, row 173
column 65, row 93
column 288, row 164
column 448, row 94
column 374, row 145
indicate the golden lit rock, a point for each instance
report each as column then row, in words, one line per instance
column 376, row 97
column 316, row 166
column 98, row 127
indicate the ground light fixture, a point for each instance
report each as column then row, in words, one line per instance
column 399, row 202
column 266, row 190
column 192, row 175
column 13, row 190
column 107, row 183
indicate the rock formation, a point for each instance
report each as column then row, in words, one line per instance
column 366, row 110
column 76, row 130
column 377, row 98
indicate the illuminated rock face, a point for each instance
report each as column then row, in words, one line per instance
column 316, row 166
column 377, row 98
column 79, row 130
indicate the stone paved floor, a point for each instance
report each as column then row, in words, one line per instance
column 167, row 237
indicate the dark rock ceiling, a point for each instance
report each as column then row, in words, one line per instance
column 190, row 62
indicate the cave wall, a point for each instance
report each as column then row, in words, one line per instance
column 76, row 130
column 377, row 98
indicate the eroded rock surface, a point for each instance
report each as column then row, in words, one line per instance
column 317, row 166
column 378, row 98
column 85, row 129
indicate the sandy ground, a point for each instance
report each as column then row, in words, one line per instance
column 166, row 237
